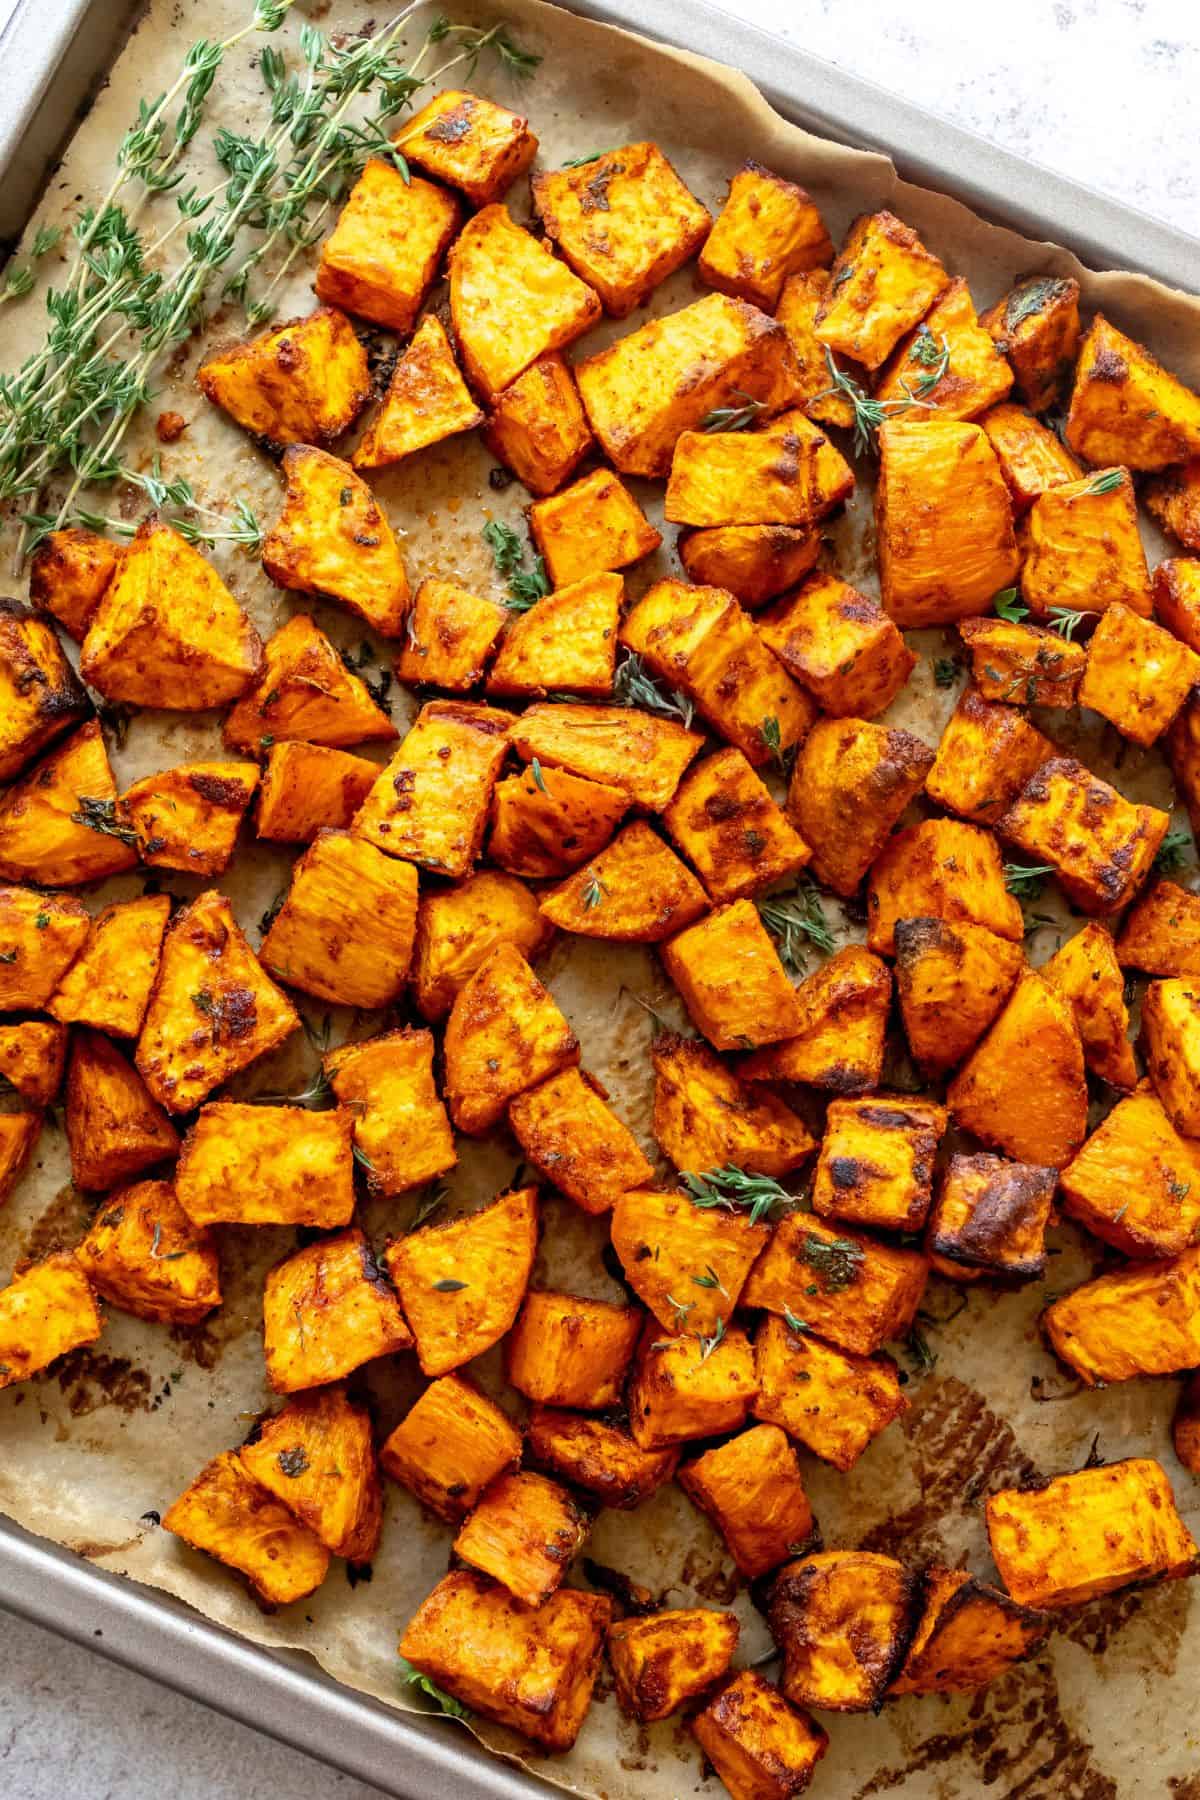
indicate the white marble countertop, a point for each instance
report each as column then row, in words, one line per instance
column 1097, row 89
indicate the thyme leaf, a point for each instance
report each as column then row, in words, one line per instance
column 737, row 1191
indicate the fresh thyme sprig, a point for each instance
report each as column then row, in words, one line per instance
column 870, row 414
column 736, row 1191
column 525, row 586
column 1176, row 849
column 1026, row 881
column 19, row 277
column 632, row 686
column 1106, row 482
column 795, row 921
column 1065, row 622
column 733, row 418
column 1007, row 606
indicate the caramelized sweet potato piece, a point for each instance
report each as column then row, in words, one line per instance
column 840, row 645
column 426, row 401
column 565, row 1350
column 267, row 1165
column 305, row 692
column 40, row 937
column 590, row 528
column 767, row 230
column 951, row 981
column 1136, row 1181
column 307, row 788
column 383, row 255
column 940, row 869
column 986, row 755
column 1182, row 745
column 662, row 1661
column 317, row 1457
column 883, row 280
column 1083, row 550
column 833, row 1403
column 843, row 1619
column 1087, row 972
column 1140, row 1320
column 188, row 817
column 146, row 1256
column 45, row 1311
column 230, row 1517
column 598, row 1457
column 19, row 1132
column 967, row 1635
column 469, row 142
column 462, row 1281
column 431, row 802
column 706, row 1118
column 1137, row 675
column 1161, row 932
column 40, row 694
column 1023, row 1089
column 1126, row 408
column 785, row 473
column 635, row 891
column 450, row 1446
column 566, row 641
column 760, row 1747
column 345, row 930
column 402, row 1136
column 524, row 1532
column 1100, row 845
column 511, row 300
column 1036, row 325
column 546, row 822
column 504, row 1035
column 114, row 1127
column 32, row 1057
column 876, row 1162
column 450, row 636
column 1172, row 498
column 620, row 746
column 1177, row 598
column 990, row 1217
column 1032, row 458
column 459, row 927
column 851, row 782
column 327, row 1310
column 751, row 1489
column 682, row 1389
column 58, row 823
column 537, row 427
column 301, row 383
column 851, row 1289
column 688, row 1264
column 1171, row 1040
column 752, row 562
column 799, row 304
column 68, row 575
column 732, row 982
column 571, row 1136
column 949, row 362
column 332, row 537
column 1023, row 665
column 837, row 1042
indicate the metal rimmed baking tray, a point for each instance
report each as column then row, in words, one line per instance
column 52, row 54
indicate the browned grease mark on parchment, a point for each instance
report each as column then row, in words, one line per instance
column 90, row 1379
column 58, row 1226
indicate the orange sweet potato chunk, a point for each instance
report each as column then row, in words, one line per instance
column 1023, row 1090
column 462, row 1281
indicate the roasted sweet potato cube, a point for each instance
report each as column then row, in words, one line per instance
column 851, row 782
column 635, row 891
column 949, row 362
column 598, row 1457
column 1140, row 1320
column 876, row 1162
column 1182, row 746
column 1100, row 845
column 724, row 819
column 577, row 1142
column 786, row 473
column 426, row 401
column 829, row 1401
column 799, row 304
column 1087, row 972
column 752, row 562
column 537, row 426
column 1036, row 325
column 459, row 927
column 243, row 1164
column 504, row 1035
column 590, row 528
column 1136, row 1181
column 944, row 522
column 853, row 1290
column 1177, row 598
column 1171, row 1041
column 451, row 1445
column 462, row 1281
column 19, row 1132
column 1172, row 498
column 843, row 1619
column 469, row 142
column 383, row 255
column 699, row 641
column 951, row 982
column 345, row 930
column 882, row 282
column 232, row 1518
column 1161, row 933
column 431, row 802
column 565, row 1350
column 986, row 755
column 450, row 635
column 990, row 1217
column 760, row 1747
column 511, row 301
column 188, row 817
column 332, row 537
column 144, row 1255
column 752, row 1490
column 662, row 1661
column 840, row 645
column 114, row 1128
column 32, row 1058
column 318, row 1458
column 624, row 221
column 566, row 641
column 733, row 984
column 40, row 937
column 967, row 1635
column 767, row 230
column 687, row 1263
column 546, row 822
column 668, row 376
column 838, row 1041
column 1023, row 1089
column 40, row 694
column 1137, row 675
column 1185, row 1427
column 706, row 1118
column 940, row 869
column 301, row 383
column 681, row 1388
column 1083, row 550
column 327, row 1310
column 1126, row 408
column 305, row 692
column 1023, row 665
column 402, row 1136
column 1032, row 458
column 620, row 746
column 68, row 574
column 307, row 788
column 212, row 1010
column 45, row 1311
column 58, row 823
column 524, row 1532
column 530, row 1670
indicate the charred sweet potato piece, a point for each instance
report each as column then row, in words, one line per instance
column 620, row 746
column 450, row 635
column 1036, row 326
column 725, row 821
column 307, row 788
column 968, row 1634
column 590, row 528
column 188, row 817
column 511, row 300
column 426, row 401
column 537, row 426
column 1137, row 675
column 327, row 1310
column 843, row 1619
column 949, row 362
column 688, row 1264
column 1100, row 845
column 851, row 782
column 853, row 1290
column 301, row 383
column 681, row 1388
column 635, row 891
column 624, row 221
column 431, row 802
column 1177, row 598
column 546, row 822
column 760, row 1747
column 1087, row 972
column 1182, row 746
column 40, row 694
column 332, row 537
column 504, row 1035
column 1023, row 1089
column 838, row 1041
column 19, row 1132
column 32, row 1057
column 668, row 376
column 752, row 562
column 565, row 1350
column 840, row 645
column 799, row 304
column 1171, row 1040
column 785, row 473
column 383, row 255
column 402, row 1136
column 306, row 692
column 450, row 1446
column 114, row 1127
column 1083, row 550
column 1023, row 665
column 232, row 1518
column 883, row 280
column 45, row 1311
column 706, row 1118
column 213, row 1009
column 990, row 1217
column 951, row 981
column 146, row 1256
column 662, row 1661
column 1126, row 408
column 345, row 930
column 267, row 1165
column 462, row 1281
column 597, row 1457
column 1161, row 933
column 1172, row 498
column 524, row 1531
column 577, row 1142
column 732, row 982
column 944, row 522
column 1032, row 458
column 833, row 1403
column 986, row 755
column 1140, row 1320
column 876, row 1162
column 940, row 869
column 530, row 1670
column 469, row 142
column 767, row 230
column 459, row 927
column 317, row 1457
column 1136, row 1181
column 58, row 823
column 40, row 937
column 752, row 1490
column 566, row 641
column 68, row 574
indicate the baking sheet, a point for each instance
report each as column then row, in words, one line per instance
column 110, row 1436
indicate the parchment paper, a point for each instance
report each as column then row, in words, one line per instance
column 114, row 1432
